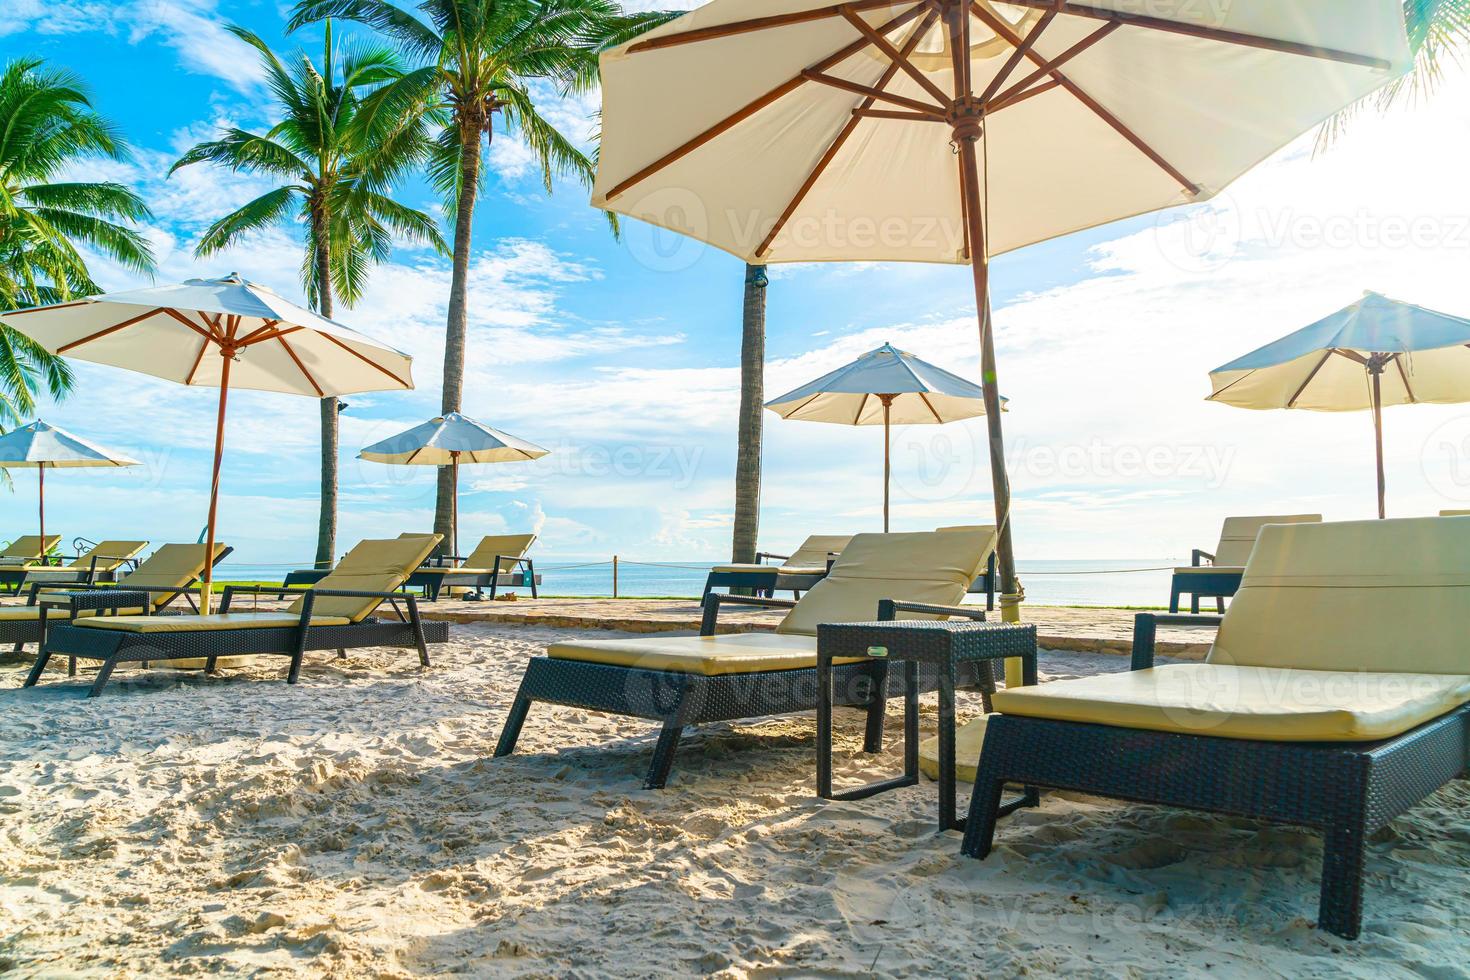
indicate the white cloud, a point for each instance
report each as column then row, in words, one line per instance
column 193, row 28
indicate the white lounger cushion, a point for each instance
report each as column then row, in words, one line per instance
column 1279, row 705
column 926, row 566
column 1238, row 535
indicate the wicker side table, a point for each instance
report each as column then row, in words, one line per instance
column 945, row 646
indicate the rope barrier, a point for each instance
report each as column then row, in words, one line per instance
column 683, row 566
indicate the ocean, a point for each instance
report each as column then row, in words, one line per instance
column 1130, row 582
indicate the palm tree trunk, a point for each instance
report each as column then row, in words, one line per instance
column 456, row 328
column 326, row 529
column 752, row 395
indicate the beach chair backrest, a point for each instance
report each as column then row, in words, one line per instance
column 1454, row 513
column 923, row 566
column 374, row 565
column 28, row 546
column 510, row 545
column 815, row 549
column 1238, row 535
column 1385, row 596
column 109, row 554
column 172, row 566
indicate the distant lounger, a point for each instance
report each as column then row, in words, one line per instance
column 1336, row 696
column 101, row 563
column 798, row 571
column 1220, row 578
column 498, row 561
column 331, row 615
column 163, row 577
column 22, row 554
column 686, row 680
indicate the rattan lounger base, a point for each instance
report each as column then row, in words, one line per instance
column 1346, row 790
column 113, row 647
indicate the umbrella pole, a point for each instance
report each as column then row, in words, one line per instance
column 887, row 472
column 206, row 591
column 41, row 495
column 1000, row 483
column 454, row 500
column 1376, row 370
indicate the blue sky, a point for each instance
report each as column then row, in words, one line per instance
column 623, row 357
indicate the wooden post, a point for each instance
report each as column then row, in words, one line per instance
column 615, row 576
column 206, row 589
column 887, row 470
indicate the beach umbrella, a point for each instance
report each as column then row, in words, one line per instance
column 450, row 440
column 884, row 387
column 1374, row 353
column 954, row 130
column 222, row 333
column 40, row 447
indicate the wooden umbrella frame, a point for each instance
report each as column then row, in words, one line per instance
column 222, row 333
column 965, row 112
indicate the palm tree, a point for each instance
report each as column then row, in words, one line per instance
column 48, row 127
column 752, row 395
column 1437, row 30
column 486, row 55
column 336, row 162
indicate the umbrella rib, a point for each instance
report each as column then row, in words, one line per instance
column 110, row 330
column 923, row 397
column 844, row 133
column 198, row 359
column 256, row 337
column 1001, row 28
column 754, row 24
column 365, row 359
column 1041, row 89
column 1291, row 402
column 1207, row 33
column 858, row 89
column 1020, row 88
column 47, row 309
column 1398, row 360
column 1020, row 52
column 856, row 419
column 894, row 55
column 756, row 105
column 211, row 334
column 297, row 361
column 250, row 337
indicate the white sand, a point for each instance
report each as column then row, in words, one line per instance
column 355, row 825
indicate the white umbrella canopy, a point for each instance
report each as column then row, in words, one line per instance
column 1375, row 352
column 953, row 130
column 884, row 387
column 167, row 331
column 41, row 446
column 224, row 333
column 450, row 440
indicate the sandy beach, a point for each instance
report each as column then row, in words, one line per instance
column 355, row 825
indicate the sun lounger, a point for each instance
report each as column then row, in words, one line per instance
column 1336, row 696
column 1220, row 578
column 798, row 571
column 163, row 577
column 331, row 615
column 499, row 561
column 22, row 554
column 687, row 680
column 984, row 583
column 1454, row 513
column 101, row 563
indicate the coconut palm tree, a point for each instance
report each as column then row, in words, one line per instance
column 487, row 58
column 336, row 163
column 752, row 397
column 47, row 128
column 1438, row 30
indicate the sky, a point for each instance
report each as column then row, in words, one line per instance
column 622, row 356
